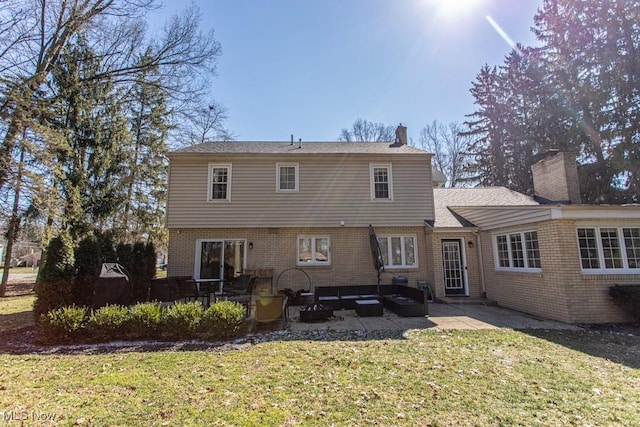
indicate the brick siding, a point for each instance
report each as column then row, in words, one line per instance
column 351, row 261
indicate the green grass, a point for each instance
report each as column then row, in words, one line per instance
column 16, row 312
column 21, row 270
column 429, row 378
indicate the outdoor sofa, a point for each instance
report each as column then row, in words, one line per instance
column 404, row 300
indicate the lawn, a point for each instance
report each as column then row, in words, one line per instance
column 426, row 378
column 21, row 270
column 16, row 312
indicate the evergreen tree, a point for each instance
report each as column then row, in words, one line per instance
column 486, row 130
column 59, row 263
column 93, row 134
column 578, row 92
column 593, row 51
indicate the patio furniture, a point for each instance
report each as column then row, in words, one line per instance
column 328, row 296
column 262, row 275
column 270, row 308
column 187, row 289
column 240, row 290
column 163, row 290
column 402, row 299
column 368, row 307
column 204, row 290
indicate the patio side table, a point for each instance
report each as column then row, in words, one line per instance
column 368, row 308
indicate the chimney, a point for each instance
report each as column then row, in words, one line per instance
column 401, row 136
column 555, row 178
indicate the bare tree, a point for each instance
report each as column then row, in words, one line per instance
column 35, row 32
column 366, row 131
column 449, row 150
column 206, row 123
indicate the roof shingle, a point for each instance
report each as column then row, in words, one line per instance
column 484, row 196
column 262, row 147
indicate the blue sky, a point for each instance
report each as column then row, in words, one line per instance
column 311, row 68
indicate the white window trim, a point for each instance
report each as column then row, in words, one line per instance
column 210, row 182
column 198, row 256
column 526, row 269
column 372, row 186
column 312, row 263
column 403, row 255
column 280, row 190
column 623, row 251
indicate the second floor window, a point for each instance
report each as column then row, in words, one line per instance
column 219, row 182
column 287, row 177
column 381, row 182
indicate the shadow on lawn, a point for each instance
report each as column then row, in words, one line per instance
column 12, row 321
column 616, row 347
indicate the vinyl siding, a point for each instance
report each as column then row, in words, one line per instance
column 332, row 188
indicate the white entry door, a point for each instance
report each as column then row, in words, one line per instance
column 454, row 283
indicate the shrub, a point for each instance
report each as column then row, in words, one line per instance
column 223, row 319
column 627, row 297
column 110, row 321
column 150, row 261
column 65, row 324
column 146, row 320
column 183, row 319
column 59, row 260
column 52, row 295
column 88, row 257
column 107, row 247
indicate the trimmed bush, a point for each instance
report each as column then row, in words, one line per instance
column 146, row 320
column 66, row 324
column 52, row 295
column 59, row 260
column 627, row 297
column 223, row 319
column 109, row 322
column 183, row 319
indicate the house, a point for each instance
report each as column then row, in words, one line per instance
column 237, row 206
column 284, row 207
column 546, row 255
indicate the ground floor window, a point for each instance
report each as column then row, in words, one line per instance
column 313, row 250
column 219, row 259
column 399, row 251
column 606, row 249
column 518, row 251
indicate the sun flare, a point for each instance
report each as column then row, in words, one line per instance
column 453, row 10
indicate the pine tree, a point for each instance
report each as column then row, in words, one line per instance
column 93, row 132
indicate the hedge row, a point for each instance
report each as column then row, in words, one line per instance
column 68, row 324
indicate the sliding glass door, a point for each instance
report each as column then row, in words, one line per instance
column 219, row 259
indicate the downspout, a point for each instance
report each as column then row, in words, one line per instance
column 481, row 263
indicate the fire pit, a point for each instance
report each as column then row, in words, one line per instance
column 315, row 312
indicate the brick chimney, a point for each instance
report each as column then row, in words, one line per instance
column 555, row 178
column 401, row 136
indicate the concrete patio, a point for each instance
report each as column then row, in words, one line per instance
column 441, row 316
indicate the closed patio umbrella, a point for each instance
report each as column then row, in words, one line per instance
column 376, row 253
